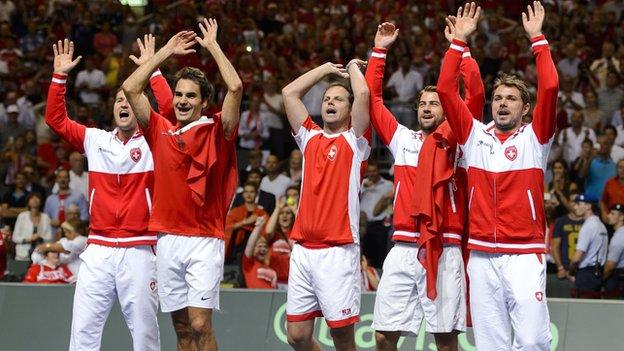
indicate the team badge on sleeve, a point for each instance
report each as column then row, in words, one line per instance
column 511, row 153
column 135, row 154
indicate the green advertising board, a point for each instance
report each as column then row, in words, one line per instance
column 39, row 318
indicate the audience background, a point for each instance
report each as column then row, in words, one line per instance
column 272, row 42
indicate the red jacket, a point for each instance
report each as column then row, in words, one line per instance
column 121, row 175
column 406, row 147
column 505, row 179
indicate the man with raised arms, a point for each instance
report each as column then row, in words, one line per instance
column 506, row 164
column 324, row 277
column 195, row 180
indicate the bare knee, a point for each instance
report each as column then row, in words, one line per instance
column 387, row 340
column 344, row 338
column 446, row 341
column 182, row 326
column 201, row 325
column 300, row 335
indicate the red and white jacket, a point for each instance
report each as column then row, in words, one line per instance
column 121, row 174
column 505, row 178
column 405, row 146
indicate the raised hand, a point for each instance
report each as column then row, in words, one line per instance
column 533, row 19
column 466, row 21
column 386, row 35
column 147, row 47
column 209, row 29
column 63, row 56
column 449, row 32
column 181, row 43
column 335, row 69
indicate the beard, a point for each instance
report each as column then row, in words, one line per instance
column 506, row 127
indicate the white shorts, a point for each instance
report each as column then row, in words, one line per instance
column 509, row 291
column 189, row 271
column 402, row 302
column 325, row 282
column 108, row 274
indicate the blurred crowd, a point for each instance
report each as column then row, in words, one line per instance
column 43, row 182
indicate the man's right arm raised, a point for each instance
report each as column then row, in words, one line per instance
column 382, row 119
column 457, row 113
column 133, row 86
column 294, row 92
column 56, row 111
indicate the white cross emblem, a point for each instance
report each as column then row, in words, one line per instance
column 331, row 155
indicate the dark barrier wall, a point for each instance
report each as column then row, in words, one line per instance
column 39, row 318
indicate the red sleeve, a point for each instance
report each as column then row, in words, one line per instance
column 457, row 113
column 164, row 96
column 475, row 91
column 545, row 112
column 31, row 275
column 56, row 114
column 381, row 118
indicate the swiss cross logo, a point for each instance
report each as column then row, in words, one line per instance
column 152, row 285
column 333, row 150
column 346, row 311
column 135, row 154
column 539, row 296
column 511, row 153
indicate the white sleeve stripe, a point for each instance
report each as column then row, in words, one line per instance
column 540, row 42
column 378, row 55
column 156, row 73
column 457, row 47
column 59, row 81
column 466, row 54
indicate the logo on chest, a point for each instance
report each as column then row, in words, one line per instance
column 333, row 151
column 511, row 153
column 135, row 154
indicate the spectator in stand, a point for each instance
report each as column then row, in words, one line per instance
column 581, row 164
column 568, row 66
column 257, row 259
column 32, row 228
column 572, row 137
column 564, row 237
column 78, row 177
column 591, row 250
column 403, row 85
column 16, row 155
column 277, row 234
column 569, row 99
column 617, row 152
column 274, row 181
column 83, row 116
column 610, row 95
column 613, row 192
column 105, row 41
column 273, row 107
column 57, row 204
column 599, row 170
column 5, row 236
column 374, row 188
column 254, row 162
column 90, row 81
column 14, row 200
column 71, row 244
column 51, row 271
column 594, row 118
column 613, row 275
column 253, row 129
column 295, row 167
column 608, row 62
column 10, row 130
column 240, row 221
column 560, row 188
column 370, row 277
column 7, row 9
column 32, row 180
column 263, row 199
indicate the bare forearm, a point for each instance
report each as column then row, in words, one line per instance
column 230, row 77
column 361, row 94
column 251, row 242
column 300, row 86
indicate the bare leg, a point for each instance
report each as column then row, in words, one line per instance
column 387, row 340
column 300, row 336
column 201, row 325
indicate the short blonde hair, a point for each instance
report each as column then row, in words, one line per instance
column 511, row 80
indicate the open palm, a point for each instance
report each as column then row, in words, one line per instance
column 181, row 43
column 386, row 35
column 63, row 56
column 533, row 19
column 209, row 28
column 465, row 22
column 147, row 48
